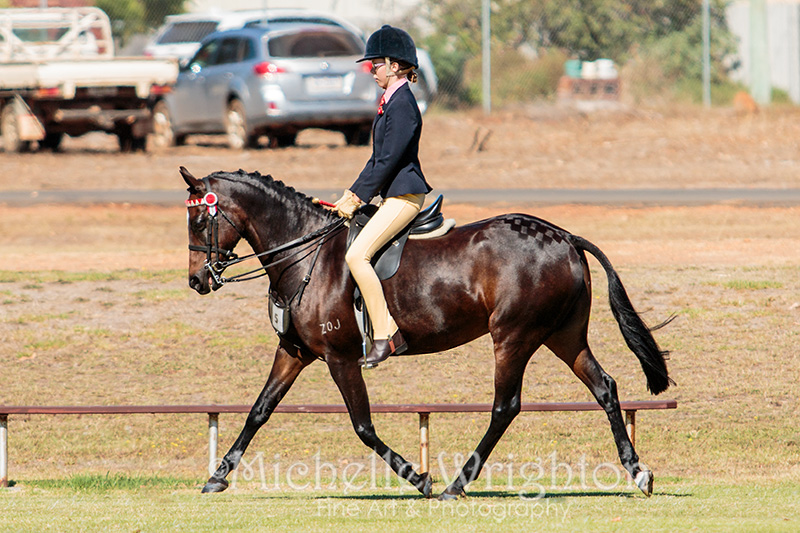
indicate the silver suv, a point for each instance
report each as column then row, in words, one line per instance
column 274, row 80
column 180, row 37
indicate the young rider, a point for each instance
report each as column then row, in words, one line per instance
column 394, row 172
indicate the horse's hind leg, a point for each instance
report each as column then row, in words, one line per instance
column 510, row 360
column 347, row 376
column 285, row 370
column 573, row 350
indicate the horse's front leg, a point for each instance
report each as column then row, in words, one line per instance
column 285, row 369
column 347, row 375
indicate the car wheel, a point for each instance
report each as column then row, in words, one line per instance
column 253, row 140
column 358, row 135
column 125, row 141
column 236, row 125
column 282, row 141
column 128, row 142
column 52, row 141
column 162, row 136
column 10, row 133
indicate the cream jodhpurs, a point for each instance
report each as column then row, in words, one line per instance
column 393, row 215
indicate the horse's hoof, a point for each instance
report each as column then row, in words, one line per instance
column 215, row 485
column 427, row 486
column 644, row 480
column 449, row 496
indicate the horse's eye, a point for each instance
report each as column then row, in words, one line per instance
column 198, row 224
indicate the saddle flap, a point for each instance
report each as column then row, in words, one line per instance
column 386, row 261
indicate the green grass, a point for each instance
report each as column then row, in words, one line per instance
column 34, row 279
column 152, row 504
column 29, row 319
column 41, row 345
column 108, row 482
column 752, row 285
column 157, row 295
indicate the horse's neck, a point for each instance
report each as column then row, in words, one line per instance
column 280, row 224
column 273, row 229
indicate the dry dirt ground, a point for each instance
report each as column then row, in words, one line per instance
column 533, row 148
column 537, row 147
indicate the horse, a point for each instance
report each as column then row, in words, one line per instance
column 521, row 279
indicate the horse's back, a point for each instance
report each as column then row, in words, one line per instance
column 505, row 265
column 511, row 239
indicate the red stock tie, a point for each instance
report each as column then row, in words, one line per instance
column 380, row 104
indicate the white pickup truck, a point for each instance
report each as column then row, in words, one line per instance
column 58, row 75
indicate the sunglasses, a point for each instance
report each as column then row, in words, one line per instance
column 375, row 67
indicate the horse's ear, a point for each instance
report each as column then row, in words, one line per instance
column 195, row 185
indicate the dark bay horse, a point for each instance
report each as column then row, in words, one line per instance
column 519, row 278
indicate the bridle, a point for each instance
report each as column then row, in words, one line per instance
column 215, row 256
column 218, row 259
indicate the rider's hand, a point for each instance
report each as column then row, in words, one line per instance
column 347, row 204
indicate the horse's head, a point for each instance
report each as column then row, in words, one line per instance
column 213, row 221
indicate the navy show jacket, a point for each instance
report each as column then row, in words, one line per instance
column 394, row 168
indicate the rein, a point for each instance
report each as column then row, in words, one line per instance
column 321, row 235
column 219, row 259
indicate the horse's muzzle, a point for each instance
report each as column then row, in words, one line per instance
column 203, row 282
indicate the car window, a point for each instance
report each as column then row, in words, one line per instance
column 314, row 44
column 228, row 51
column 293, row 20
column 39, row 34
column 246, row 50
column 187, row 32
column 205, row 56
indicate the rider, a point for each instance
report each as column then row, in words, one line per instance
column 394, row 172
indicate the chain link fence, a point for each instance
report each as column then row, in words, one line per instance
column 636, row 51
column 639, row 52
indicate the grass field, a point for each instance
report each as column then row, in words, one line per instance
column 172, row 505
column 727, row 459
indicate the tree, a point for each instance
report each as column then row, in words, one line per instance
column 584, row 29
column 156, row 10
column 130, row 17
column 609, row 28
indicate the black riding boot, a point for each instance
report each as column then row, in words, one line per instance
column 382, row 349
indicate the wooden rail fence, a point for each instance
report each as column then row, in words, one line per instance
column 213, row 411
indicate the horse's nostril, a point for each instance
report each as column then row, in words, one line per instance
column 199, row 284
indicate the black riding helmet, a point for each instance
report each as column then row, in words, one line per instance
column 393, row 43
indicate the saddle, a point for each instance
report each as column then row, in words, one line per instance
column 428, row 223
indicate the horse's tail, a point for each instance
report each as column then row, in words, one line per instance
column 636, row 333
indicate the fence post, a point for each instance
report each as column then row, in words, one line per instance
column 424, row 418
column 486, row 62
column 630, row 425
column 213, row 438
column 3, row 450
column 706, row 54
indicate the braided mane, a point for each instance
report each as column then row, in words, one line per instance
column 273, row 188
